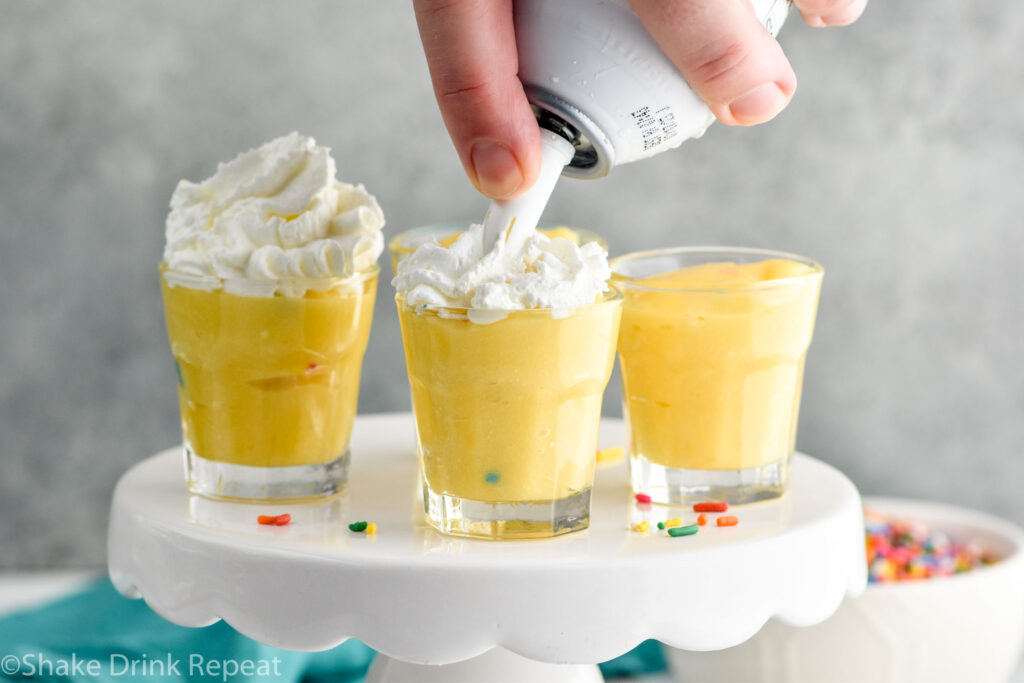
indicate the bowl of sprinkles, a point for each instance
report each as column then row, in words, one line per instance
column 944, row 602
column 906, row 550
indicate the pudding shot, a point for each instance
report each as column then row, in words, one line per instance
column 712, row 349
column 509, row 344
column 269, row 278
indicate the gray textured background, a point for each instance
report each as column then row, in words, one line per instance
column 899, row 165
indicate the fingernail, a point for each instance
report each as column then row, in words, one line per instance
column 497, row 171
column 759, row 105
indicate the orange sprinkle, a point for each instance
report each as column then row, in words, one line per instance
column 727, row 520
column 266, row 519
column 702, row 519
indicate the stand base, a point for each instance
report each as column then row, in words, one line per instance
column 677, row 486
column 226, row 481
column 528, row 519
column 496, row 666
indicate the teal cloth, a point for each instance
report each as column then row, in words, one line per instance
column 98, row 624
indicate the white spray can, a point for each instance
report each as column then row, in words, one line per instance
column 595, row 76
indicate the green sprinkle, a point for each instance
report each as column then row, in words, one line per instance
column 684, row 530
column 181, row 379
column 492, row 478
column 661, row 525
column 357, row 526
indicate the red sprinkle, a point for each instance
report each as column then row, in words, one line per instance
column 281, row 520
column 643, row 498
column 710, row 507
column 267, row 519
column 727, row 520
column 702, row 519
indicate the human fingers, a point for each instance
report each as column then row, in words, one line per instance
column 831, row 12
column 725, row 54
column 471, row 51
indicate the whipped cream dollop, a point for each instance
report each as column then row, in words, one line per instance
column 535, row 272
column 269, row 219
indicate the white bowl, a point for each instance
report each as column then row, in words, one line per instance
column 966, row 627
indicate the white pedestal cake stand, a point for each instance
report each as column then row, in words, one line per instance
column 442, row 608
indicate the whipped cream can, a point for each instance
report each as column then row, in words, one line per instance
column 594, row 74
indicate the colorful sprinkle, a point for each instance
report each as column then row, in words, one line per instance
column 610, row 454
column 358, row 526
column 727, row 520
column 702, row 519
column 181, row 378
column 684, row 530
column 492, row 478
column 710, row 507
column 643, row 498
column 661, row 525
column 371, row 528
column 675, row 521
column 272, row 520
column 643, row 526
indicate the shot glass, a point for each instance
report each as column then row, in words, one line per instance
column 406, row 242
column 268, row 385
column 507, row 415
column 712, row 349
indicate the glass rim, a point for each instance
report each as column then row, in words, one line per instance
column 779, row 283
column 614, row 294
column 328, row 282
column 395, row 245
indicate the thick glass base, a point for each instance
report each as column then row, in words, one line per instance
column 225, row 481
column 672, row 486
column 504, row 521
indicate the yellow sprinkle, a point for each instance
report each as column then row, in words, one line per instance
column 610, row 454
column 371, row 528
column 643, row 526
column 675, row 521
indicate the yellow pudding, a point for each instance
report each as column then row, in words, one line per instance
column 712, row 359
column 509, row 411
column 270, row 381
column 405, row 243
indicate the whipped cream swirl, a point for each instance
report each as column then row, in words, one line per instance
column 538, row 272
column 269, row 219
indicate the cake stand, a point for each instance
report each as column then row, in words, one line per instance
column 444, row 608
